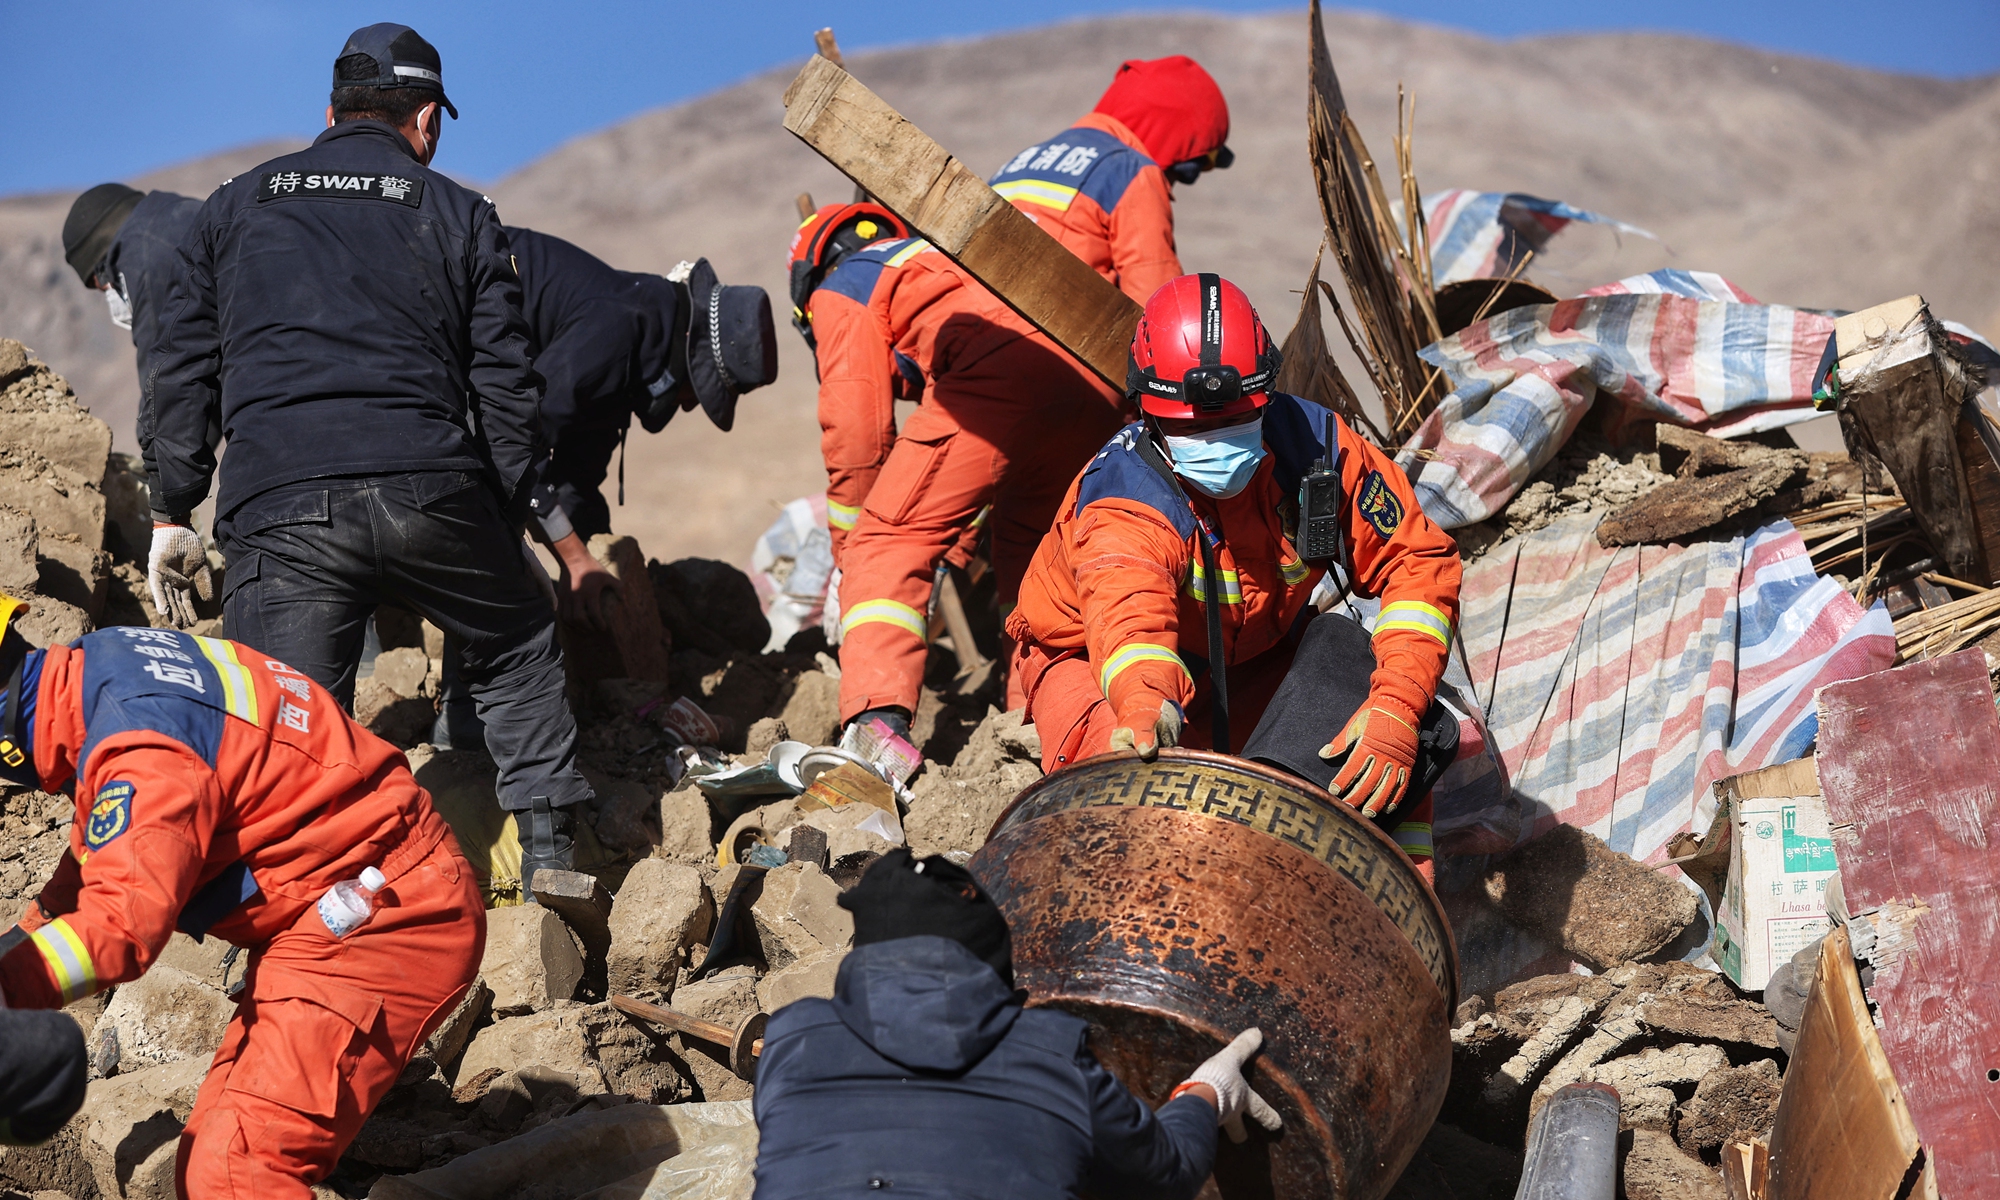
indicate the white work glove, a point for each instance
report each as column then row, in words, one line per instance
column 829, row 621
column 1233, row 1096
column 177, row 571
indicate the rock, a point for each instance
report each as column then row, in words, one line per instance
column 1655, row 1067
column 69, row 571
column 61, row 501
column 1597, row 904
column 703, row 600
column 844, row 835
column 405, row 671
column 14, row 360
column 798, row 915
column 51, row 622
column 1650, row 1107
column 765, row 732
column 399, row 720
column 532, row 959
column 1022, row 739
column 165, row 1016
column 1733, row 1104
column 659, row 913
column 585, row 907
column 812, row 711
column 637, row 1060
column 807, row 977
column 549, row 1054
column 1701, row 1018
column 448, row 1041
column 725, row 997
column 131, row 1126
column 951, row 813
column 625, row 809
column 1690, row 504
column 18, row 574
column 686, row 825
column 1656, row 1169
column 205, row 960
column 63, row 433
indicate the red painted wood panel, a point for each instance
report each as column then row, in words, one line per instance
column 1909, row 761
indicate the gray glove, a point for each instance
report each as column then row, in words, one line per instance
column 176, row 572
column 1233, row 1096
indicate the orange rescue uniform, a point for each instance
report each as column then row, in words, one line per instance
column 1004, row 418
column 1112, row 617
column 223, row 793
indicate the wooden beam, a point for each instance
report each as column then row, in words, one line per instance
column 1843, row 1131
column 943, row 200
column 1909, row 761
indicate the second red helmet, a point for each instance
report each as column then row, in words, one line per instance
column 1200, row 351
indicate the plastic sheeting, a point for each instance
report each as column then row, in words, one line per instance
column 1486, row 235
column 1618, row 684
column 1522, row 380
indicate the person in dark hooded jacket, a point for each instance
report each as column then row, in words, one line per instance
column 926, row 1074
column 43, row 1073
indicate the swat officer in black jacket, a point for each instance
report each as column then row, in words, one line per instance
column 612, row 345
column 355, row 320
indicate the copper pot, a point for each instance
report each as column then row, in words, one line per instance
column 1173, row 903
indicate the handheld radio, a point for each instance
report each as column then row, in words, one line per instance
column 1320, row 506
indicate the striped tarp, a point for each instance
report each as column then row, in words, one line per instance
column 1618, row 684
column 1521, row 381
column 1695, row 285
column 1486, row 235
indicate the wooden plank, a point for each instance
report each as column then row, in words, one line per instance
column 1982, row 486
column 918, row 180
column 1910, row 766
column 1843, row 1131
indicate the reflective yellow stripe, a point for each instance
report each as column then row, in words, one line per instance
column 1414, row 837
column 840, row 516
column 1137, row 652
column 1038, row 191
column 909, row 252
column 1415, row 616
column 239, row 688
column 69, row 962
column 1295, row 572
column 886, row 612
column 1197, row 585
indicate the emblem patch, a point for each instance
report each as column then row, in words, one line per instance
column 110, row 814
column 1379, row 505
column 295, row 185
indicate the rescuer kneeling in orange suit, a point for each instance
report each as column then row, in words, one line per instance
column 1185, row 531
column 224, row 794
column 1004, row 417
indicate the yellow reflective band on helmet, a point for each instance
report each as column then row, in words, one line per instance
column 1416, row 616
column 1295, row 573
column 885, row 612
column 842, row 516
column 69, row 962
column 1038, row 192
column 1137, row 652
column 1414, row 837
column 239, row 688
column 916, row 247
column 1231, row 589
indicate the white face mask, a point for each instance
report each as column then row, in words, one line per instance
column 121, row 312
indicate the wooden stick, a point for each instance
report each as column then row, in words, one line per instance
column 805, row 205
column 827, row 47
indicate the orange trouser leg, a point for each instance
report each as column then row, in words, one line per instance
column 1011, row 430
column 325, row 1027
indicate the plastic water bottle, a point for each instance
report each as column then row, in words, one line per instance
column 348, row 904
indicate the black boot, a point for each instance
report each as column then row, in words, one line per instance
column 546, row 844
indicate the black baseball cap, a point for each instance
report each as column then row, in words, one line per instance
column 401, row 57
column 93, row 224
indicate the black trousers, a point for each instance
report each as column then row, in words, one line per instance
column 309, row 562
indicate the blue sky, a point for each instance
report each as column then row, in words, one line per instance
column 103, row 89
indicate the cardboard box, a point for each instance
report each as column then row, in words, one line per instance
column 1773, row 829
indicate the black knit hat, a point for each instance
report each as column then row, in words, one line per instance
column 903, row 896
column 93, row 224
column 402, row 59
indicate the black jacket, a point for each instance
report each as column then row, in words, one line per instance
column 342, row 311
column 925, row 1076
column 42, row 1074
column 141, row 264
column 602, row 340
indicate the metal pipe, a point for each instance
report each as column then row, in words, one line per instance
column 1573, row 1151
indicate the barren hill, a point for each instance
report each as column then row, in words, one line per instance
column 1804, row 181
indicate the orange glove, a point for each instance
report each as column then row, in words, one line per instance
column 1380, row 750
column 1150, row 723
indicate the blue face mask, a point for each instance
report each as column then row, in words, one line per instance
column 1219, row 463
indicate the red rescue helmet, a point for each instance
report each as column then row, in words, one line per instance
column 829, row 235
column 1200, row 351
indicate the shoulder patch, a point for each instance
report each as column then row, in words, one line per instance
column 1379, row 505
column 299, row 185
column 1075, row 162
column 110, row 814
column 1119, row 472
